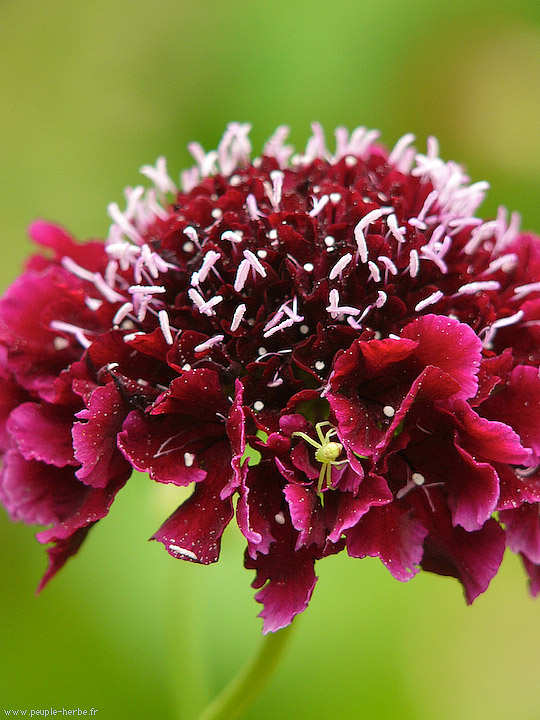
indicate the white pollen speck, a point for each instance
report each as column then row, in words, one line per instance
column 262, row 254
column 350, row 161
column 304, row 329
column 280, row 518
column 188, row 247
column 335, row 198
column 319, row 365
column 329, row 241
column 262, row 350
column 272, row 234
column 308, row 267
column 418, row 478
column 60, row 343
column 186, row 367
column 388, row 411
column 235, row 180
column 188, row 459
column 216, row 213
column 258, row 405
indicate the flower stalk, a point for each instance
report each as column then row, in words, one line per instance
column 248, row 683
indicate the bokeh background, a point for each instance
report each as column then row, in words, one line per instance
column 90, row 91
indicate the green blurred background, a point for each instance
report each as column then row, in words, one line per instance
column 89, row 92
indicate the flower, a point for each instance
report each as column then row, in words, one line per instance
column 336, row 340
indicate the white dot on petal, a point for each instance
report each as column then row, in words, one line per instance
column 308, row 267
column 188, row 246
column 329, row 241
column 389, row 411
column 304, row 329
column 280, row 518
column 258, row 405
column 216, row 213
column 262, row 254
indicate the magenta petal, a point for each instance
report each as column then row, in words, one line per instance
column 258, row 507
column 489, row 439
column 349, row 508
column 94, row 441
column 518, row 405
column 391, row 533
column 193, row 532
column 523, row 531
column 473, row 491
column 472, row 557
column 38, row 493
column 60, row 552
column 156, row 445
column 236, row 430
column 533, row 571
column 306, row 515
column 449, row 345
column 43, row 432
column 290, row 579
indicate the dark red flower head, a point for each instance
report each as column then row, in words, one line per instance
column 336, row 339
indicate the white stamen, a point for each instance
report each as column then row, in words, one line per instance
column 131, row 336
column 207, row 344
column 414, row 263
column 374, row 272
column 123, row 223
column 474, row 287
column 231, row 236
column 210, row 259
column 418, row 478
column 429, row 254
column 146, row 289
column 93, row 303
column 192, row 235
column 372, row 216
column 122, row 313
column 340, row 266
column 523, row 290
column 165, row 326
column 237, row 317
column 72, row 267
column 430, row 300
column 388, row 264
column 158, row 175
column 77, row 332
column 206, row 307
column 319, row 205
column 503, row 322
column 388, row 411
column 253, row 260
column 107, row 292
column 242, row 273
column 110, row 273
column 253, row 210
column 274, row 192
column 506, row 263
column 361, row 244
column 399, row 148
column 396, row 231
column 382, row 297
column 336, row 310
column 258, row 405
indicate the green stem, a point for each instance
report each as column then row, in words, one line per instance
column 250, row 680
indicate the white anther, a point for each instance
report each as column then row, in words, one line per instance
column 158, row 175
column 506, row 263
column 231, row 236
column 430, row 300
column 400, row 148
column 374, row 272
column 210, row 259
column 479, row 286
column 340, row 266
column 77, row 332
column 319, row 205
column 395, row 230
column 207, row 307
column 122, row 313
column 414, row 263
column 237, row 317
column 361, row 244
column 253, row 210
column 72, row 267
column 207, row 344
column 242, row 273
column 388, row 264
column 107, row 292
column 146, row 289
column 253, row 260
column 523, row 290
column 335, row 309
column 382, row 297
column 165, row 326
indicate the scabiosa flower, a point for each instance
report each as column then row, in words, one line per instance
column 335, row 340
